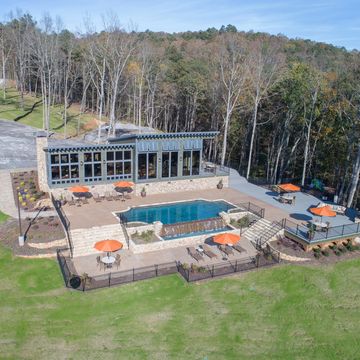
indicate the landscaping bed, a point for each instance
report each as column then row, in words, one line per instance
column 26, row 189
column 144, row 237
column 331, row 254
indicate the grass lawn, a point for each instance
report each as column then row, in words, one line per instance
column 10, row 109
column 3, row 217
column 288, row 312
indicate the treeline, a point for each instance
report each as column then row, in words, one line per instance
column 284, row 108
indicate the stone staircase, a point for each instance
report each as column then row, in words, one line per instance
column 83, row 240
column 262, row 230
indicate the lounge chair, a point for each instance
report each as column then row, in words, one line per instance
column 226, row 250
column 96, row 197
column 70, row 200
column 238, row 248
column 195, row 254
column 208, row 252
column 108, row 197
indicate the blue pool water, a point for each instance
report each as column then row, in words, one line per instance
column 177, row 212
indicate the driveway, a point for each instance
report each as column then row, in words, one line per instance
column 17, row 145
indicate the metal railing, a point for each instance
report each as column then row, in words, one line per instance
column 64, row 221
column 254, row 209
column 330, row 233
column 123, row 227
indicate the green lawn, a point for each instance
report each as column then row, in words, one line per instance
column 10, row 109
column 3, row 217
column 288, row 312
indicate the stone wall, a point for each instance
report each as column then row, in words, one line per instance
column 161, row 187
column 170, row 244
column 41, row 143
column 158, row 187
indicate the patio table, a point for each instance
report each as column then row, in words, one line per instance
column 108, row 260
column 319, row 225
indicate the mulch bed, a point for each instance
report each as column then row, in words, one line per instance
column 26, row 188
column 290, row 247
column 40, row 230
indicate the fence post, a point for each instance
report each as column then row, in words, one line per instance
column 133, row 274
column 342, row 233
column 156, row 270
column 109, row 279
column 297, row 229
column 358, row 227
column 327, row 232
column 235, row 270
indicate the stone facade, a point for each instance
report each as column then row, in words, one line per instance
column 152, row 188
column 161, row 187
column 41, row 143
column 170, row 244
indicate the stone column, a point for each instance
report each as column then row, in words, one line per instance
column 41, row 143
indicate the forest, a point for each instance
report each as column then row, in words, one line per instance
column 285, row 108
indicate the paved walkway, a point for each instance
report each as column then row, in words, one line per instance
column 298, row 212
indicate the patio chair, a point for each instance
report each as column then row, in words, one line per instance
column 238, row 248
column 208, row 252
column 96, row 197
column 84, row 201
column 195, row 254
column 226, row 250
column 98, row 261
column 115, row 195
column 117, row 262
column 127, row 196
column 108, row 197
column 70, row 200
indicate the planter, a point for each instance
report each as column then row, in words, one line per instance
column 143, row 193
column 220, row 186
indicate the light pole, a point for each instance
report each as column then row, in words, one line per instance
column 21, row 237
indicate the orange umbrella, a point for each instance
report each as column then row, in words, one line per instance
column 226, row 238
column 108, row 245
column 323, row 211
column 124, row 184
column 79, row 189
column 289, row 187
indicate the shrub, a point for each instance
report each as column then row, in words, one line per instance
column 325, row 253
column 342, row 249
column 337, row 252
column 317, row 255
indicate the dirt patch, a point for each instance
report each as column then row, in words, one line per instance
column 92, row 124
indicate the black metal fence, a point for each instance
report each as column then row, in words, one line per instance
column 249, row 206
column 84, row 282
column 64, row 221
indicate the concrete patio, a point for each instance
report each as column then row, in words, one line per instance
column 129, row 260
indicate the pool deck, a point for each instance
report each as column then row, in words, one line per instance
column 101, row 213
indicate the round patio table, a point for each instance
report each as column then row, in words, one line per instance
column 108, row 260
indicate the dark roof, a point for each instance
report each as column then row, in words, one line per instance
column 145, row 136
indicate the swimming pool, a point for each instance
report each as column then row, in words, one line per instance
column 176, row 212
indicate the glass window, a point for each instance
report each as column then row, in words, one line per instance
column 127, row 155
column 142, row 173
column 119, row 155
column 174, row 164
column 97, row 156
column 165, row 164
column 88, row 170
column 110, row 169
column 87, row 157
column 119, row 168
column 74, row 158
column 64, row 158
column 152, row 165
column 74, row 171
column 65, row 174
column 55, row 172
column 127, row 167
column 195, row 169
column 110, row 155
column 186, row 163
column 55, row 158
column 97, row 169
